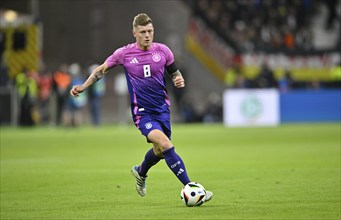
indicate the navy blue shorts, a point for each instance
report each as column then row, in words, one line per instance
column 147, row 123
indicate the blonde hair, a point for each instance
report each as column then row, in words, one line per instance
column 141, row 19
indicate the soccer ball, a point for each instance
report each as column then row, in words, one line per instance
column 193, row 194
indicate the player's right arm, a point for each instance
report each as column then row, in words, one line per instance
column 115, row 59
column 96, row 75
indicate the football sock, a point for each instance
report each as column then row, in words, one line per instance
column 176, row 164
column 150, row 159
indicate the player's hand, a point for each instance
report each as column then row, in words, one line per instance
column 76, row 90
column 179, row 81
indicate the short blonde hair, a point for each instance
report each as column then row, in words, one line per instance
column 141, row 19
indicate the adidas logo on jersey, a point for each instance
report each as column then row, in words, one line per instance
column 134, row 60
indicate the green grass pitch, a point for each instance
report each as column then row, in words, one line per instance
column 288, row 172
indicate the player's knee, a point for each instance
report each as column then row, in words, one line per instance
column 158, row 152
column 160, row 155
column 165, row 146
column 162, row 145
column 160, row 140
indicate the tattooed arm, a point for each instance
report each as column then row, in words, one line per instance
column 178, row 80
column 96, row 75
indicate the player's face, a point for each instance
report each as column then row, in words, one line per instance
column 144, row 36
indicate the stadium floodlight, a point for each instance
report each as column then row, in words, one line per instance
column 10, row 16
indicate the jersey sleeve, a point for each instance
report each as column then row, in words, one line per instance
column 116, row 58
column 169, row 55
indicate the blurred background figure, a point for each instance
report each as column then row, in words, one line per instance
column 286, row 82
column 266, row 78
column 121, row 91
column 314, row 84
column 45, row 91
column 96, row 91
column 234, row 78
column 73, row 114
column 214, row 109
column 61, row 85
column 335, row 73
column 27, row 88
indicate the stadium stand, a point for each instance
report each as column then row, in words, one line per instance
column 297, row 37
column 270, row 26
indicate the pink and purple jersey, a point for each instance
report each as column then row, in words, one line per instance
column 145, row 73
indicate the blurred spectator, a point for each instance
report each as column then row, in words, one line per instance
column 240, row 80
column 214, row 110
column 266, row 77
column 45, row 88
column 230, row 77
column 289, row 40
column 332, row 13
column 190, row 113
column 335, row 73
column 73, row 114
column 286, row 82
column 61, row 85
column 304, row 38
column 4, row 78
column 28, row 91
column 214, row 10
column 314, row 84
column 96, row 91
column 121, row 90
column 234, row 78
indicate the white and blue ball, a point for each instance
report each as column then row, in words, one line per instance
column 193, row 194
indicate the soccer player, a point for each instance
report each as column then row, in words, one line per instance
column 144, row 63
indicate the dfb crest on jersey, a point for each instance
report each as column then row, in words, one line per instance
column 156, row 57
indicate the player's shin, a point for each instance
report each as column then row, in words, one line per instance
column 150, row 160
column 176, row 164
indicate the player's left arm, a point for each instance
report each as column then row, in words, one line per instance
column 178, row 79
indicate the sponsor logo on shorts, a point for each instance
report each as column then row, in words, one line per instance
column 148, row 125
